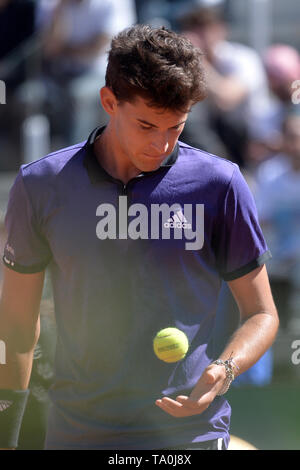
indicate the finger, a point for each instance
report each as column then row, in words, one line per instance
column 176, row 412
column 179, row 412
column 170, row 402
column 184, row 407
column 187, row 402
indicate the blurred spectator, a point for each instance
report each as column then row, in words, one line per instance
column 74, row 37
column 282, row 64
column 278, row 203
column 238, row 88
column 16, row 31
column 125, row 14
column 167, row 12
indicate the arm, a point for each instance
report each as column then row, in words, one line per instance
column 259, row 319
column 259, row 325
column 19, row 326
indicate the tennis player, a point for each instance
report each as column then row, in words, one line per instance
column 137, row 230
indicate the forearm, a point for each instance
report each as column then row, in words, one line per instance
column 15, row 374
column 15, row 369
column 19, row 348
column 251, row 340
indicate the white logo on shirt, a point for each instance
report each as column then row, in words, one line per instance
column 177, row 221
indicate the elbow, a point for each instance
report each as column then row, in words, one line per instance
column 276, row 320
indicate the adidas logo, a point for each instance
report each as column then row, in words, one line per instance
column 4, row 404
column 178, row 221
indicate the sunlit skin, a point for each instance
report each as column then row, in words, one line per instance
column 138, row 137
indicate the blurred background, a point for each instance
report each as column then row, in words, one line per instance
column 52, row 66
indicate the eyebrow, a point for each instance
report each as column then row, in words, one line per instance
column 153, row 125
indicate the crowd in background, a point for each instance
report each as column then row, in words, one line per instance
column 53, row 59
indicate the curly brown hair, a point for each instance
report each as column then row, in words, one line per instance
column 158, row 65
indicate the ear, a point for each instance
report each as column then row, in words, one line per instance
column 108, row 100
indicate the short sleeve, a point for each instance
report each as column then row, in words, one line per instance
column 26, row 250
column 241, row 246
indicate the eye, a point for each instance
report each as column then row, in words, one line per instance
column 145, row 128
column 176, row 128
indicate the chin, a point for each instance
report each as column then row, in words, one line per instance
column 150, row 166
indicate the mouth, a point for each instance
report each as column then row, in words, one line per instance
column 154, row 157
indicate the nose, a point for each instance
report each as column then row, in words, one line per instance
column 160, row 143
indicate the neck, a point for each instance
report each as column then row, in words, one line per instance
column 112, row 157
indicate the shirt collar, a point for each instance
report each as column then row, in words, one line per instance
column 97, row 173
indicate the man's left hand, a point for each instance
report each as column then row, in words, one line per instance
column 202, row 395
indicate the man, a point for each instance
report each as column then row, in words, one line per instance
column 137, row 230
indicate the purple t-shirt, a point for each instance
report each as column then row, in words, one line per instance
column 125, row 262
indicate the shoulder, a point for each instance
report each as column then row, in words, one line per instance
column 209, row 166
column 53, row 165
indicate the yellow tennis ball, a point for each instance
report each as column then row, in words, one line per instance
column 170, row 345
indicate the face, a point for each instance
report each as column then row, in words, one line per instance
column 144, row 135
